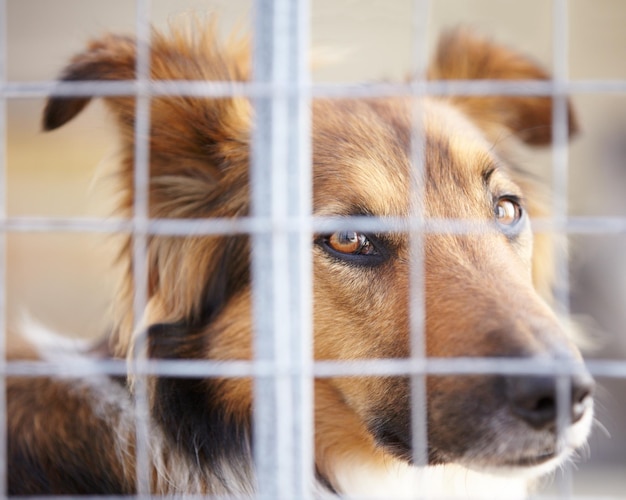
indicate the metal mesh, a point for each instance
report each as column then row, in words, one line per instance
column 281, row 213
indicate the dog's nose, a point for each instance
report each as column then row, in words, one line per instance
column 534, row 399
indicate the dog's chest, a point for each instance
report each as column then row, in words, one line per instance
column 398, row 480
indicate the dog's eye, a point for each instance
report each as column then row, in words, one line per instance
column 355, row 248
column 350, row 243
column 508, row 212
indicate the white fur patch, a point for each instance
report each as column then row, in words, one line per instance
column 50, row 345
column 402, row 481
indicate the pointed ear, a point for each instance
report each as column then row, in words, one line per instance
column 462, row 55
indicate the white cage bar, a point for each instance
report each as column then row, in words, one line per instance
column 280, row 190
column 3, row 250
column 419, row 424
column 141, row 215
column 560, row 180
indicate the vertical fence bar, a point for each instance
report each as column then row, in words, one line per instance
column 417, row 311
column 280, row 155
column 265, row 430
column 139, row 235
column 300, row 259
column 560, row 165
column 3, row 252
column 560, row 153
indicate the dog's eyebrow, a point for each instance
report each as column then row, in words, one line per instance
column 355, row 210
column 488, row 172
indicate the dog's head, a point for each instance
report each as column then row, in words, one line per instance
column 480, row 286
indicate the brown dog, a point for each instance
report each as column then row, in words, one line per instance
column 481, row 292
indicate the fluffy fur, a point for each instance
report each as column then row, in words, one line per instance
column 483, row 292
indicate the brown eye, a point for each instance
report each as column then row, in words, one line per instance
column 350, row 242
column 355, row 248
column 508, row 212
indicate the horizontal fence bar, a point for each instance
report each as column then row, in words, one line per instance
column 220, row 89
column 250, row 225
column 319, row 369
column 252, row 497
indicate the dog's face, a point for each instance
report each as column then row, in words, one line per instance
column 478, row 290
column 480, row 286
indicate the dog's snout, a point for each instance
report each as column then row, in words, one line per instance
column 534, row 399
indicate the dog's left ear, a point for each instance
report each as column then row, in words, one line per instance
column 462, row 55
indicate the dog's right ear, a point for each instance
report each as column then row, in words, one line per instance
column 195, row 128
column 199, row 158
column 111, row 58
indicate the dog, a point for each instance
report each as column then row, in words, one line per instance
column 486, row 292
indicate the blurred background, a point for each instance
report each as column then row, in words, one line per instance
column 66, row 280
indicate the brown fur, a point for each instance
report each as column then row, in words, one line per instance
column 480, row 297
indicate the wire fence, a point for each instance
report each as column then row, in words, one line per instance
column 281, row 194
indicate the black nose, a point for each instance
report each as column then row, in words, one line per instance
column 534, row 399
